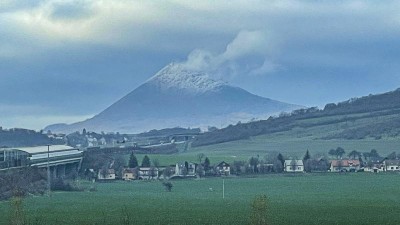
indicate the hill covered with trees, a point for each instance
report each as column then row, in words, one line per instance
column 373, row 116
column 18, row 137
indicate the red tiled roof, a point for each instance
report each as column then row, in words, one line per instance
column 345, row 162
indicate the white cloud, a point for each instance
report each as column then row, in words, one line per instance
column 266, row 68
column 246, row 43
column 143, row 24
column 230, row 62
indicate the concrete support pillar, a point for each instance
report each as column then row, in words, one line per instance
column 53, row 171
column 61, row 171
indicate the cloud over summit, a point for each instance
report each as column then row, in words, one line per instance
column 234, row 60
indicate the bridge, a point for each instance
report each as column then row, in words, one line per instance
column 61, row 159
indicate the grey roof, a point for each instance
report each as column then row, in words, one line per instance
column 56, row 154
column 394, row 162
column 42, row 149
column 298, row 162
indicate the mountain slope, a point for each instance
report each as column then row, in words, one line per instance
column 176, row 96
column 373, row 116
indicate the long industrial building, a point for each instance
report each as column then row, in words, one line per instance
column 60, row 158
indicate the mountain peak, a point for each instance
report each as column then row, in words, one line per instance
column 178, row 76
column 180, row 96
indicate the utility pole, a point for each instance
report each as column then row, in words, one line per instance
column 223, row 188
column 48, row 170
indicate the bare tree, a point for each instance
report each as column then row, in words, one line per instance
column 237, row 166
column 340, row 165
column 293, row 165
column 254, row 163
column 167, row 172
column 119, row 164
column 152, row 172
column 200, row 157
column 354, row 154
column 200, row 170
column 184, row 171
column 156, row 163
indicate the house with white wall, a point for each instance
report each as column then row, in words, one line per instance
column 108, row 174
column 345, row 165
column 186, row 169
column 129, row 174
column 392, row 165
column 223, row 168
column 294, row 166
column 147, row 173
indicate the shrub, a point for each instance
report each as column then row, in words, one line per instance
column 20, row 182
column 168, row 186
column 93, row 189
column 59, row 184
column 17, row 214
column 259, row 211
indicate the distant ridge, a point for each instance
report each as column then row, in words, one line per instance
column 373, row 116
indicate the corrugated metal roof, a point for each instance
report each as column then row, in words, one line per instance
column 55, row 154
column 39, row 149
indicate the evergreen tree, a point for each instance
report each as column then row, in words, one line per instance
column 146, row 161
column 253, row 161
column 307, row 156
column 206, row 164
column 281, row 159
column 133, row 163
column 187, row 165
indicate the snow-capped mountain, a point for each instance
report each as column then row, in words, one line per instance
column 177, row 76
column 177, row 96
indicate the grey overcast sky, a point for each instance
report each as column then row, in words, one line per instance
column 66, row 60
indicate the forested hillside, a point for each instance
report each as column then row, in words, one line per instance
column 18, row 137
column 373, row 116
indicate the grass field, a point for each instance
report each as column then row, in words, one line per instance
column 288, row 145
column 360, row 198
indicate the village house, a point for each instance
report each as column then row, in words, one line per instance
column 163, row 173
column 108, row 174
column 345, row 165
column 129, row 174
column 223, row 168
column 147, row 173
column 185, row 169
column 102, row 141
column 375, row 167
column 92, row 141
column 392, row 165
column 294, row 166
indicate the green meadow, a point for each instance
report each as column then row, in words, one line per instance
column 359, row 198
column 288, row 144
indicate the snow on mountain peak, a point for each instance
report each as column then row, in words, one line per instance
column 178, row 76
